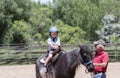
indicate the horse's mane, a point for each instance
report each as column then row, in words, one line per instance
column 74, row 52
column 72, row 57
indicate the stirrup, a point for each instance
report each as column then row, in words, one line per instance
column 45, row 69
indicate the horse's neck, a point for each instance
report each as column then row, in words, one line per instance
column 66, row 64
column 73, row 59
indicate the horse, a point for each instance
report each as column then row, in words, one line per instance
column 66, row 64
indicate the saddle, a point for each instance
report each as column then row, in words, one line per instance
column 56, row 54
column 53, row 60
column 56, row 57
column 46, row 71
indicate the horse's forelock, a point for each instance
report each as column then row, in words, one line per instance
column 83, row 47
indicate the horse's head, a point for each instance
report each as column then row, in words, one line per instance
column 86, row 57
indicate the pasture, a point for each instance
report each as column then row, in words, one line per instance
column 28, row 71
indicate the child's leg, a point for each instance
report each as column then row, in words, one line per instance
column 48, row 58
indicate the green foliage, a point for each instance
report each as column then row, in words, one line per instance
column 114, row 39
column 69, row 34
column 8, row 38
column 110, row 6
column 37, row 38
column 22, row 31
column 83, row 13
column 111, row 10
column 10, row 11
column 41, row 21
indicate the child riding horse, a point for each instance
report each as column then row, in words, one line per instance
column 53, row 44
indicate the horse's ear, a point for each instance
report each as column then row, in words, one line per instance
column 81, row 47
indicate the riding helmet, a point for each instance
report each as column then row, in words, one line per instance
column 53, row 29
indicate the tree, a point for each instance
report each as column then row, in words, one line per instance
column 82, row 13
column 22, row 32
column 41, row 22
column 69, row 34
column 110, row 32
column 10, row 11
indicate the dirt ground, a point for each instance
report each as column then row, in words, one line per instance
column 28, row 71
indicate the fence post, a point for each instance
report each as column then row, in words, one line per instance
column 115, row 52
column 8, row 60
column 29, row 54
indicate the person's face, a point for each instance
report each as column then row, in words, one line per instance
column 99, row 48
column 54, row 34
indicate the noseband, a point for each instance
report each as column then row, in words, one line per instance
column 85, row 63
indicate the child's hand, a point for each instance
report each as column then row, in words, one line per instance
column 55, row 47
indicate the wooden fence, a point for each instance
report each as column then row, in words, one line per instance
column 16, row 54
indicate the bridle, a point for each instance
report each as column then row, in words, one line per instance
column 85, row 63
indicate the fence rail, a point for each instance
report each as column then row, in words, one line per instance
column 22, row 54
